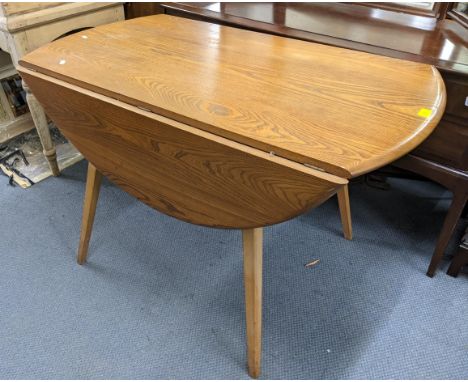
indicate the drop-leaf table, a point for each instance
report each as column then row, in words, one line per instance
column 225, row 127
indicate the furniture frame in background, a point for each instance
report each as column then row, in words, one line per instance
column 453, row 180
column 11, row 124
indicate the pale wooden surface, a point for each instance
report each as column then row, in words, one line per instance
column 32, row 15
column 253, row 253
column 10, row 125
column 345, row 211
column 15, row 8
column 343, row 111
column 93, row 185
column 15, row 127
column 177, row 169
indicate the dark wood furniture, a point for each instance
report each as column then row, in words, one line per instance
column 461, row 258
column 231, row 129
column 454, row 180
column 134, row 10
column 443, row 157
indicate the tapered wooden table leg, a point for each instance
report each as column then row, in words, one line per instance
column 345, row 211
column 93, row 184
column 253, row 243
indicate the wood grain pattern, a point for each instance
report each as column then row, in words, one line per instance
column 184, row 172
column 343, row 111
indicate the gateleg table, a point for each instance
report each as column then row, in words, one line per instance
column 228, row 128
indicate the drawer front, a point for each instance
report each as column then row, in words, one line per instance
column 457, row 97
column 448, row 144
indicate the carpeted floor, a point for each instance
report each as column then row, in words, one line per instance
column 164, row 299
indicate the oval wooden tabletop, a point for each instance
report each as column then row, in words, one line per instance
column 343, row 111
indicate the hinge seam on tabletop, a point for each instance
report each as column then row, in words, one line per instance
column 314, row 167
column 145, row 109
column 272, row 153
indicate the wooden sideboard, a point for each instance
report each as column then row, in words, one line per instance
column 443, row 157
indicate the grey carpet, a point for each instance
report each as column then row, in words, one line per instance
column 160, row 298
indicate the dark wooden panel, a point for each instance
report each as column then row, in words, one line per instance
column 448, row 144
column 457, row 96
column 134, row 10
column 181, row 171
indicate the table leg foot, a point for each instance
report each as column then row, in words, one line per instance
column 51, row 156
column 253, row 242
column 93, row 184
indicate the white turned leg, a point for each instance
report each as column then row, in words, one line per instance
column 40, row 121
